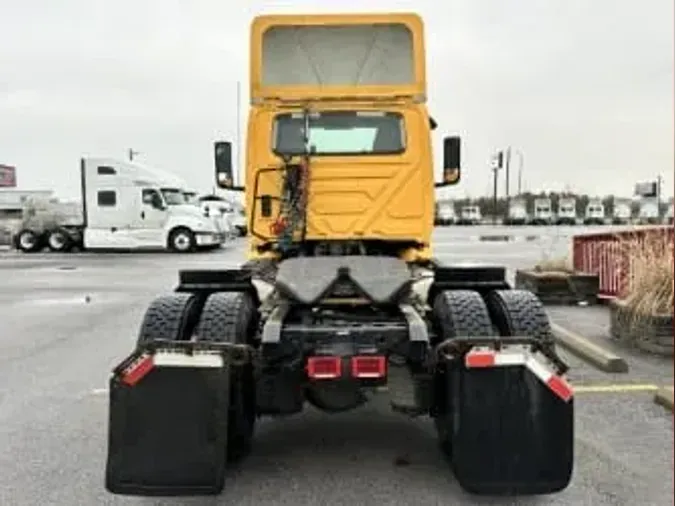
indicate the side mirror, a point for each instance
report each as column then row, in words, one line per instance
column 224, row 171
column 451, row 161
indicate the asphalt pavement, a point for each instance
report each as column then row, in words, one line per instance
column 66, row 320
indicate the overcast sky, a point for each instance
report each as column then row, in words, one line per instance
column 583, row 88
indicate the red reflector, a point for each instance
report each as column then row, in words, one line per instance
column 324, row 367
column 480, row 359
column 369, row 367
column 560, row 387
column 138, row 370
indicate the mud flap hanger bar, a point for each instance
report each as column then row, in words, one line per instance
column 237, row 354
column 460, row 346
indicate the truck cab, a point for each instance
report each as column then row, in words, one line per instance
column 126, row 206
column 622, row 212
column 470, row 215
column 649, row 212
column 567, row 211
column 668, row 218
column 338, row 111
column 543, row 214
column 446, row 214
column 595, row 213
column 517, row 213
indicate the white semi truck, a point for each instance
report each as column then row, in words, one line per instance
column 649, row 212
column 446, row 214
column 470, row 215
column 595, row 213
column 622, row 212
column 517, row 213
column 567, row 211
column 124, row 207
column 543, row 212
column 668, row 218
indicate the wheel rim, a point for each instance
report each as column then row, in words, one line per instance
column 57, row 240
column 181, row 241
column 27, row 240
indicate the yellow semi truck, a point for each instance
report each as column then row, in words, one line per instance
column 340, row 294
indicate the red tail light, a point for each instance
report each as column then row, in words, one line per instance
column 324, row 367
column 369, row 367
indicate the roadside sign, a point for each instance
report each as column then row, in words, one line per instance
column 7, row 176
column 647, row 189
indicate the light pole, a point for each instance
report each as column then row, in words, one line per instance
column 521, row 160
column 238, row 134
column 132, row 153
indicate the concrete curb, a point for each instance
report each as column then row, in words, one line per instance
column 587, row 351
column 664, row 397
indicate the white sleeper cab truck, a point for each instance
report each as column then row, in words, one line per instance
column 470, row 215
column 543, row 213
column 595, row 213
column 517, row 214
column 567, row 211
column 446, row 214
column 124, row 208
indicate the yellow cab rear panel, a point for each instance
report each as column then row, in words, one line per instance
column 359, row 83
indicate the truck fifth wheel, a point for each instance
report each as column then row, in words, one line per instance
column 340, row 294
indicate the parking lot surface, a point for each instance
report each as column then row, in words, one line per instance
column 66, row 320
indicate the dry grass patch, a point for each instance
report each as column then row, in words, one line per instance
column 652, row 283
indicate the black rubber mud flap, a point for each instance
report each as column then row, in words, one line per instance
column 512, row 435
column 168, row 432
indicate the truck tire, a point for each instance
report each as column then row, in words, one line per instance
column 182, row 240
column 28, row 241
column 59, row 241
column 168, row 317
column 519, row 313
column 455, row 313
column 230, row 317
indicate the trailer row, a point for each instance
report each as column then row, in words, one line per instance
column 565, row 214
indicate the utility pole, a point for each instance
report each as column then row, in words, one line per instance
column 238, row 134
column 659, row 182
column 508, row 172
column 520, row 171
column 132, row 153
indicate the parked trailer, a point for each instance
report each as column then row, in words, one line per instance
column 608, row 256
column 567, row 211
column 668, row 218
column 124, row 206
column 595, row 213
